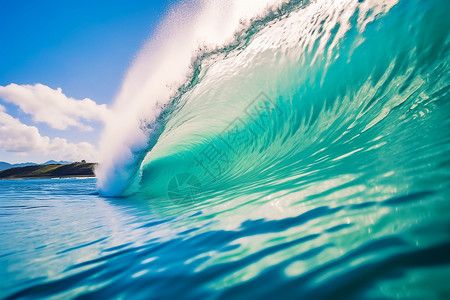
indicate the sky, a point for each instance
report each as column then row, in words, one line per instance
column 61, row 65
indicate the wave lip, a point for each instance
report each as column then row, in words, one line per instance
column 335, row 75
column 162, row 67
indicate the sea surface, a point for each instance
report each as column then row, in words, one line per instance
column 307, row 159
column 339, row 239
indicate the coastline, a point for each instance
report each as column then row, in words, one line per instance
column 49, row 177
column 74, row 170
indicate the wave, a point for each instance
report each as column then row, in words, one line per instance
column 162, row 66
column 279, row 93
column 287, row 150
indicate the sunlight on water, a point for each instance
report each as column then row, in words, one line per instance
column 309, row 160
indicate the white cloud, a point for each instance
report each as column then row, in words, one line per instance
column 24, row 139
column 52, row 107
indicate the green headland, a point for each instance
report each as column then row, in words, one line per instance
column 78, row 169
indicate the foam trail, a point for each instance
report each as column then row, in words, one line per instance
column 161, row 67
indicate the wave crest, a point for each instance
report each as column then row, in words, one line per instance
column 329, row 72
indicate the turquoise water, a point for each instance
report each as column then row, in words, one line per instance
column 61, row 241
column 308, row 159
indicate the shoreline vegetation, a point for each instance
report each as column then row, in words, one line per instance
column 78, row 169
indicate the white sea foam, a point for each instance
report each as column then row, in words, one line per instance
column 160, row 68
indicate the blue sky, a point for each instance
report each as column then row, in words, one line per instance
column 83, row 47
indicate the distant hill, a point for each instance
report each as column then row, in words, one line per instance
column 54, row 162
column 5, row 165
column 50, row 171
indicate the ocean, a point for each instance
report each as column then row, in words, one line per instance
column 307, row 159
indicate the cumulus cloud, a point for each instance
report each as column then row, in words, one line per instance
column 52, row 107
column 23, row 139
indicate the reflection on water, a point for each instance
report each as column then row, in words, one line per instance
column 355, row 235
